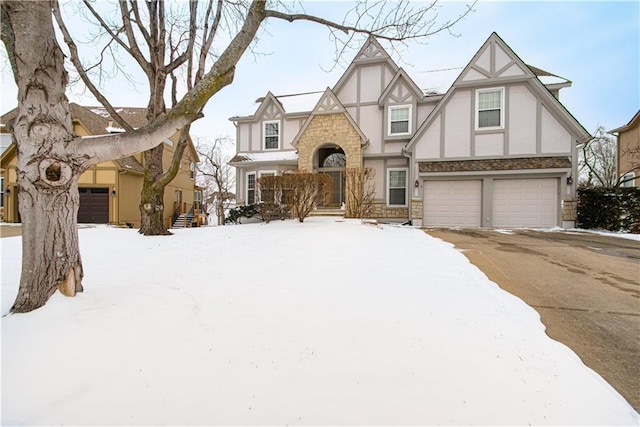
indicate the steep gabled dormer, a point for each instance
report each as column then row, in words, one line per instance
column 399, row 102
column 367, row 76
column 270, row 114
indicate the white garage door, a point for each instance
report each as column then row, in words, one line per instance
column 525, row 203
column 452, row 203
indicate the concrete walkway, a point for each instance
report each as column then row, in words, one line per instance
column 586, row 288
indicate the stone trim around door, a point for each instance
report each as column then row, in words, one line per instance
column 329, row 129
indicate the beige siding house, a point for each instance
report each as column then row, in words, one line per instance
column 629, row 151
column 109, row 191
column 497, row 149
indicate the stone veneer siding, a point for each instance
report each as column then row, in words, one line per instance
column 380, row 210
column 496, row 164
column 570, row 210
column 329, row 129
column 416, row 208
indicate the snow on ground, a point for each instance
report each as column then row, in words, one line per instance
column 324, row 322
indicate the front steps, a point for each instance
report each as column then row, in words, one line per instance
column 336, row 212
column 183, row 221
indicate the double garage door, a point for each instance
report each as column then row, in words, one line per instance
column 515, row 203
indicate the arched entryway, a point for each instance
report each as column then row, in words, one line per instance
column 331, row 160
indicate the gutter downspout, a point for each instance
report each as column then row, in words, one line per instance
column 409, row 155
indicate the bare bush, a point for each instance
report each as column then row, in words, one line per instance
column 361, row 191
column 305, row 191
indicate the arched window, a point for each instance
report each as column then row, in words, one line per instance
column 335, row 160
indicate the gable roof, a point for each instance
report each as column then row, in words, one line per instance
column 635, row 120
column 371, row 52
column 495, row 63
column 329, row 104
column 400, row 75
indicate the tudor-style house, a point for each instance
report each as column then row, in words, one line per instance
column 497, row 149
column 109, row 191
column 628, row 162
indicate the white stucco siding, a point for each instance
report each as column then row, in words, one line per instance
column 474, row 75
column 554, row 137
column 522, row 121
column 489, row 144
column 393, row 147
column 502, row 58
column 428, row 146
column 484, row 61
column 457, row 132
column 371, row 121
column 388, row 76
column 291, row 128
column 243, row 137
column 370, row 83
column 513, row 70
column 423, row 112
column 349, row 92
column 255, row 143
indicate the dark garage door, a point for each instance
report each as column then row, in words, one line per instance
column 94, row 205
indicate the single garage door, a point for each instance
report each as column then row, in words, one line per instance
column 525, row 203
column 452, row 203
column 94, row 205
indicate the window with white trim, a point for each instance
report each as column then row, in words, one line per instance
column 251, row 188
column 490, row 108
column 1, row 192
column 271, row 132
column 397, row 187
column 399, row 120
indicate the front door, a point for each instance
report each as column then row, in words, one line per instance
column 337, row 195
column 332, row 161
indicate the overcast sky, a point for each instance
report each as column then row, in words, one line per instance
column 596, row 45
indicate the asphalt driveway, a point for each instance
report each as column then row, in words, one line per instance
column 586, row 288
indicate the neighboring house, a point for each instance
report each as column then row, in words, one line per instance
column 497, row 149
column 109, row 191
column 629, row 151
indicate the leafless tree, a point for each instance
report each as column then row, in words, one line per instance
column 218, row 177
column 361, row 191
column 597, row 164
column 51, row 157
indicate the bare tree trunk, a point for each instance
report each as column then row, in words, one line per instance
column 47, row 172
column 152, row 195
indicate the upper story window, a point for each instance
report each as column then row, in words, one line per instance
column 169, row 142
column 192, row 170
column 399, row 120
column 271, row 132
column 490, row 108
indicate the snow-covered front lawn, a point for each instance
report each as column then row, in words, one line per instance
column 324, row 322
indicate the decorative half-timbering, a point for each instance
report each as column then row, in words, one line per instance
column 496, row 149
